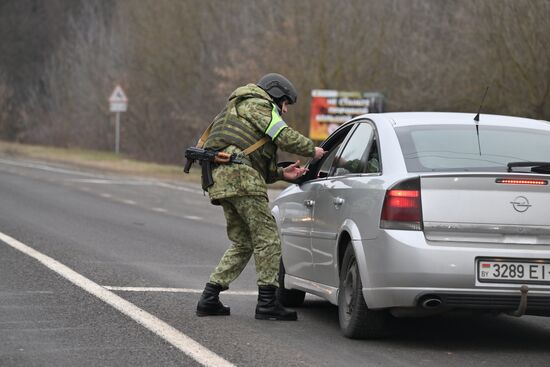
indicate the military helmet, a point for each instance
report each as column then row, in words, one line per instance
column 278, row 87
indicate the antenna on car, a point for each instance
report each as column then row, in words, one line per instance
column 481, row 104
column 476, row 119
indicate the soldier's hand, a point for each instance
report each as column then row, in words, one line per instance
column 319, row 153
column 293, row 171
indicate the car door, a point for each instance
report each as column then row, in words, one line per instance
column 336, row 198
column 296, row 211
column 295, row 216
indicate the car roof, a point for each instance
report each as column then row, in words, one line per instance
column 398, row 119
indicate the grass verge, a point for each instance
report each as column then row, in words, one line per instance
column 98, row 160
column 105, row 161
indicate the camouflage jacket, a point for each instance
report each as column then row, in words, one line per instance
column 242, row 179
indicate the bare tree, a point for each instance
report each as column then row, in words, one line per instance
column 6, row 109
column 69, row 107
column 179, row 60
column 518, row 49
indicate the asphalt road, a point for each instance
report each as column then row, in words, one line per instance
column 141, row 250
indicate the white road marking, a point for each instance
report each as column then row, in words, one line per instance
column 160, row 210
column 96, row 178
column 134, row 183
column 44, row 167
column 175, row 290
column 129, row 202
column 173, row 336
column 105, row 195
column 192, row 217
column 90, row 180
column 180, row 188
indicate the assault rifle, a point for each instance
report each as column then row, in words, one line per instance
column 206, row 157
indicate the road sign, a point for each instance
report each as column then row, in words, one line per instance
column 119, row 103
column 118, row 100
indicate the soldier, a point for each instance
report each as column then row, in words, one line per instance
column 252, row 113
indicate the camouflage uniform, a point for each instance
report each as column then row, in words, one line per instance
column 242, row 191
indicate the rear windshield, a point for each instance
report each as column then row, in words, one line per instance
column 456, row 147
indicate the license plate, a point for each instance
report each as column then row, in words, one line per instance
column 509, row 271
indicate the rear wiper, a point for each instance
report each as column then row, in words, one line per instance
column 537, row 167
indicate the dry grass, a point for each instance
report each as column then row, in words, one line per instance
column 99, row 160
column 105, row 161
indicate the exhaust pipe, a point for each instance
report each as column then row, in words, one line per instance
column 431, row 303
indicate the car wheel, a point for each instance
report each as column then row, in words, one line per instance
column 288, row 297
column 357, row 321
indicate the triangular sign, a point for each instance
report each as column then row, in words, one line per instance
column 118, row 95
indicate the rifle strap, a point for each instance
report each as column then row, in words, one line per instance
column 204, row 135
column 256, row 145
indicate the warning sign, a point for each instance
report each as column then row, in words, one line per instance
column 118, row 100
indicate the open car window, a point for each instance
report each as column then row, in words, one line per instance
column 333, row 146
column 327, row 161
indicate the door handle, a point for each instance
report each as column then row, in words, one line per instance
column 338, row 201
column 309, row 203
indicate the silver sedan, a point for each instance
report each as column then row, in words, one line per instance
column 412, row 214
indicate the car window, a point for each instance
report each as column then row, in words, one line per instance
column 355, row 155
column 456, row 147
column 373, row 160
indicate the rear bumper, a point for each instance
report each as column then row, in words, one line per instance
column 402, row 269
column 538, row 303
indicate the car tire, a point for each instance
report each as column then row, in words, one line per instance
column 288, row 297
column 357, row 321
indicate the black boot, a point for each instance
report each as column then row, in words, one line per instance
column 209, row 304
column 269, row 308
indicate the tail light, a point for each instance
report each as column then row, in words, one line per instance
column 402, row 206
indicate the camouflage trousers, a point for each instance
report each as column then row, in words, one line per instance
column 253, row 231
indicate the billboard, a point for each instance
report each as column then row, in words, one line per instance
column 331, row 108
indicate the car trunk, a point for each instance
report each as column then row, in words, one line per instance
column 487, row 208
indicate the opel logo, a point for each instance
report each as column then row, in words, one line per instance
column 520, row 204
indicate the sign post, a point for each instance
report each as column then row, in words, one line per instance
column 118, row 103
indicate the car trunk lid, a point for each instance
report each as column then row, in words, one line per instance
column 487, row 208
